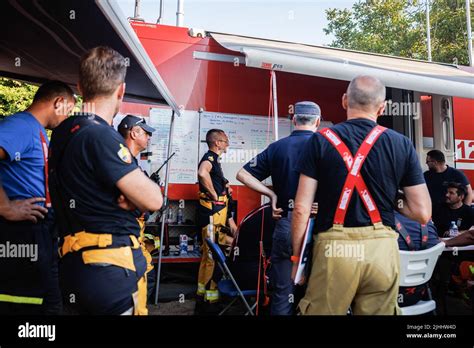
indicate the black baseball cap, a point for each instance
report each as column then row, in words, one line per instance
column 131, row 121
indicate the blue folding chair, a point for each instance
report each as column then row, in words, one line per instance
column 229, row 287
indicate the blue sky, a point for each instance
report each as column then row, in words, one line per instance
column 298, row 20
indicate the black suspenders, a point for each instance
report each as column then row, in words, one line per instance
column 406, row 237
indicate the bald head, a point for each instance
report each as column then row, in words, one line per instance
column 365, row 93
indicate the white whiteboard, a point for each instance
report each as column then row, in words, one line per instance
column 248, row 136
column 183, row 165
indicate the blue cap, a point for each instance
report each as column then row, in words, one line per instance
column 307, row 108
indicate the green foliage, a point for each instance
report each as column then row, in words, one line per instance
column 15, row 96
column 398, row 27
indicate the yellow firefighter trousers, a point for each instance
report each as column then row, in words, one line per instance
column 353, row 267
column 206, row 286
column 121, row 257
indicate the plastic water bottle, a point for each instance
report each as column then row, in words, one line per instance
column 170, row 216
column 179, row 217
column 183, row 244
column 453, row 230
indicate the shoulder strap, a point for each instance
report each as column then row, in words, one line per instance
column 403, row 232
column 424, row 236
column 354, row 179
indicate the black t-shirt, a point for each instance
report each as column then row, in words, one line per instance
column 279, row 160
column 437, row 183
column 94, row 160
column 217, row 175
column 463, row 217
column 392, row 163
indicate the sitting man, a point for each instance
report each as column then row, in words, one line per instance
column 439, row 174
column 448, row 265
column 414, row 236
column 455, row 210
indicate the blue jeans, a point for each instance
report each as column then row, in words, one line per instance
column 280, row 275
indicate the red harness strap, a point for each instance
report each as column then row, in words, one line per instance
column 354, row 179
column 44, row 146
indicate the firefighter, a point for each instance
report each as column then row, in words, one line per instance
column 356, row 168
column 136, row 133
column 213, row 210
column 29, row 283
column 279, row 161
column 96, row 188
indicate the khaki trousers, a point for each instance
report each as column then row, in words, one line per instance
column 353, row 267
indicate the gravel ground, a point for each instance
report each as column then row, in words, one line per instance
column 173, row 308
column 455, row 306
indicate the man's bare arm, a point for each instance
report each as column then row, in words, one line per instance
column 469, row 196
column 204, row 177
column 465, row 238
column 141, row 191
column 307, row 187
column 252, row 182
column 20, row 210
column 3, row 154
column 417, row 203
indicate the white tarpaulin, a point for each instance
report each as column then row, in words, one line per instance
column 425, row 77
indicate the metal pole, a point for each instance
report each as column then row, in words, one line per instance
column 164, row 215
column 275, row 104
column 469, row 32
column 137, row 9
column 160, row 18
column 136, row 15
column 180, row 14
column 428, row 29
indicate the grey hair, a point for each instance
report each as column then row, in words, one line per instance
column 305, row 120
column 366, row 92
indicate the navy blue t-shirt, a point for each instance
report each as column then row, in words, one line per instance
column 95, row 159
column 22, row 173
column 437, row 183
column 391, row 164
column 279, row 160
column 413, row 229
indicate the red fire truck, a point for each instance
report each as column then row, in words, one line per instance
column 433, row 104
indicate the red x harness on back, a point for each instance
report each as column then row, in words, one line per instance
column 354, row 179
